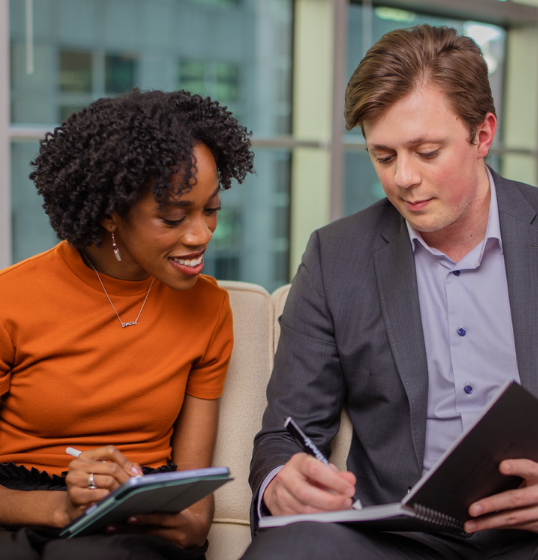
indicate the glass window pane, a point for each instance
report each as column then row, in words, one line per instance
column 362, row 187
column 75, row 72
column 84, row 50
column 236, row 51
column 220, row 3
column 192, row 76
column 120, row 74
column 227, row 82
column 251, row 240
column 32, row 233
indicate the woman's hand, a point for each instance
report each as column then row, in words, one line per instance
column 186, row 529
column 109, row 467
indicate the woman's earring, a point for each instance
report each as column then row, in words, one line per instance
column 115, row 247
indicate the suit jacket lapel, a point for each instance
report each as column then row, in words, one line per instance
column 520, row 246
column 398, row 293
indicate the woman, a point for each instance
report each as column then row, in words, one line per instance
column 112, row 342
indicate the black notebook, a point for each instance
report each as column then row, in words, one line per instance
column 468, row 471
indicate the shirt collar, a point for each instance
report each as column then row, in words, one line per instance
column 493, row 229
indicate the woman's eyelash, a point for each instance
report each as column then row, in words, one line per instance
column 172, row 222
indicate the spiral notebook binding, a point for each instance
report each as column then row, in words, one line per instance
column 451, row 524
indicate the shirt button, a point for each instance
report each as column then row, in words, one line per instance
column 462, row 331
column 468, row 389
column 457, row 272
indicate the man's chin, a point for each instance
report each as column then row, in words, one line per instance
column 433, row 225
column 430, row 225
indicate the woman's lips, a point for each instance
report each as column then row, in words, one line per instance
column 416, row 206
column 188, row 267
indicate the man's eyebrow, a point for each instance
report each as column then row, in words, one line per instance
column 422, row 139
column 378, row 147
column 412, row 142
column 186, row 203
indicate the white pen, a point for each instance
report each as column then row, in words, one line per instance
column 73, row 451
column 76, row 452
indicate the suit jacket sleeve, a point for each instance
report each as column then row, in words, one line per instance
column 307, row 381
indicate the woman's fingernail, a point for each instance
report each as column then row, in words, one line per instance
column 349, row 492
column 135, row 471
column 132, row 520
column 110, row 529
column 470, row 526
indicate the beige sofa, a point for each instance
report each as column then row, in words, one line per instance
column 256, row 332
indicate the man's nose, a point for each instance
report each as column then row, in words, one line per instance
column 406, row 174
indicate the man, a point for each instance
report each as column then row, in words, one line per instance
column 411, row 313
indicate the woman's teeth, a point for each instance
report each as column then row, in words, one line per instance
column 187, row 262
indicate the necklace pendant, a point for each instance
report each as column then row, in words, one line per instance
column 123, row 325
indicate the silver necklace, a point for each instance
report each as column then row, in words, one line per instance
column 123, row 325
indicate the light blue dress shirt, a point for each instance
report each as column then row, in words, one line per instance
column 468, row 332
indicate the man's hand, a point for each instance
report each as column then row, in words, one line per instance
column 513, row 509
column 306, row 485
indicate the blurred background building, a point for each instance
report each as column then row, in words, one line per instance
column 280, row 65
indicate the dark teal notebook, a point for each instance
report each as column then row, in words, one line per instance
column 154, row 493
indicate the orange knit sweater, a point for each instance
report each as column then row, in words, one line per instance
column 71, row 376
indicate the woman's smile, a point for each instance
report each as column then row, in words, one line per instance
column 190, row 265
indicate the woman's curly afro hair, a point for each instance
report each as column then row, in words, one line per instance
column 106, row 156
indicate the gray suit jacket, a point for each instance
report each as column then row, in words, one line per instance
column 352, row 334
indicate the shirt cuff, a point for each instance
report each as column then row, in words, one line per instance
column 263, row 488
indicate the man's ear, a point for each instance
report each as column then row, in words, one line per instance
column 485, row 135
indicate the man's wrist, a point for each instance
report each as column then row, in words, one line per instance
column 263, row 510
